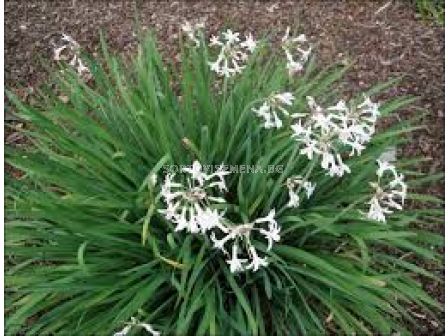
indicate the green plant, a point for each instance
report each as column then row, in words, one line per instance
column 432, row 9
column 88, row 248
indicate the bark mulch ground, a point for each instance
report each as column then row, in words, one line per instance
column 384, row 39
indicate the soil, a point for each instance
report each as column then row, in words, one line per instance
column 384, row 39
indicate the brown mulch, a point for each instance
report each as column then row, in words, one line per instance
column 384, row 39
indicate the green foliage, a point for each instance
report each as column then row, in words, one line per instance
column 87, row 250
column 432, row 9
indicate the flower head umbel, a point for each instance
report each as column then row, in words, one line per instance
column 233, row 53
column 272, row 106
column 328, row 131
column 135, row 323
column 67, row 49
column 193, row 32
column 188, row 204
column 296, row 54
column 239, row 237
column 295, row 185
column 390, row 192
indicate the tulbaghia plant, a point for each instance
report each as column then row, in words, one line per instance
column 233, row 52
column 297, row 51
column 389, row 192
column 66, row 49
column 326, row 132
column 295, row 184
column 272, row 107
column 189, row 206
column 235, row 194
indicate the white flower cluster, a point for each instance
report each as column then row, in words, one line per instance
column 326, row 131
column 233, row 53
column 193, row 32
column 240, row 238
column 190, row 208
column 390, row 192
column 296, row 54
column 135, row 323
column 67, row 49
column 295, row 184
column 271, row 106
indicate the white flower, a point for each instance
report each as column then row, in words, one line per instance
column 271, row 119
column 219, row 243
column 292, row 66
column 188, row 205
column 57, row 53
column 309, row 188
column 196, row 172
column 231, row 37
column 219, row 173
column 168, row 185
column 294, row 199
column 384, row 166
column 311, row 148
column 295, row 184
column 214, row 41
column 233, row 53
column 208, row 219
column 376, row 212
column 369, row 108
column 240, row 238
column 335, row 167
column 286, row 98
column 193, row 32
column 270, row 218
column 171, row 211
column 390, row 192
column 236, row 264
column 70, row 40
column 329, row 131
column 300, row 131
column 296, row 54
column 135, row 323
column 250, row 44
column 69, row 50
column 124, row 331
column 314, row 107
column 341, row 106
column 256, row 261
column 273, row 234
column 149, row 329
column 272, row 106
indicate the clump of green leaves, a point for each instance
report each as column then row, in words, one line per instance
column 88, row 250
column 432, row 9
